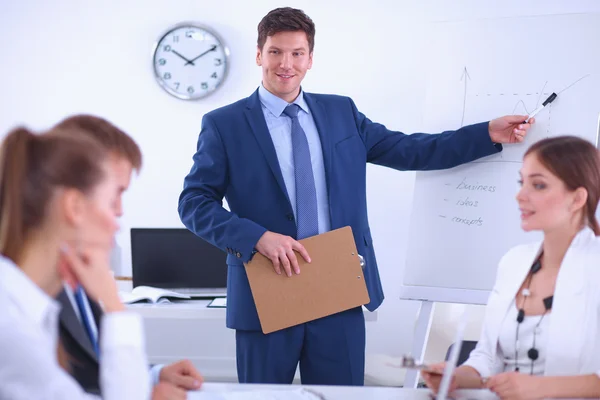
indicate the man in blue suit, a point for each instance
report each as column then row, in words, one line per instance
column 292, row 164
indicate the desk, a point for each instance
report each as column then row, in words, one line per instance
column 188, row 329
column 210, row 391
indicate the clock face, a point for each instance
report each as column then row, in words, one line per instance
column 190, row 61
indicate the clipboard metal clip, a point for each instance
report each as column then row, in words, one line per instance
column 362, row 261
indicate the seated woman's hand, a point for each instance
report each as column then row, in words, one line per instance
column 433, row 377
column 512, row 385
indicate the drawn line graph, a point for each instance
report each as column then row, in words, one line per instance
column 523, row 106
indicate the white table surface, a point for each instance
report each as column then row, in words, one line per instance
column 219, row 391
column 197, row 308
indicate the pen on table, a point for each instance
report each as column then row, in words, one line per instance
column 549, row 100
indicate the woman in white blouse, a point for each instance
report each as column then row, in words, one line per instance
column 541, row 332
column 57, row 224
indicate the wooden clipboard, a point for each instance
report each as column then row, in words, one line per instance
column 334, row 281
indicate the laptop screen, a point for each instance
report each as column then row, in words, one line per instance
column 172, row 258
column 453, row 357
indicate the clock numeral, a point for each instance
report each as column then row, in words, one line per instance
column 218, row 61
column 214, row 75
column 175, row 39
column 167, row 48
column 162, row 61
column 189, row 34
column 176, row 85
column 204, row 85
column 190, row 89
column 167, row 75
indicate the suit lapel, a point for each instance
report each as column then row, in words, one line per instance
column 257, row 122
column 69, row 320
column 569, row 309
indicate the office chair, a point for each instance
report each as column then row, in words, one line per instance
column 465, row 351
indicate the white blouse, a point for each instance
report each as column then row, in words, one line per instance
column 572, row 340
column 508, row 343
column 28, row 347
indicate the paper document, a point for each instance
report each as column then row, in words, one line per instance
column 218, row 302
column 285, row 394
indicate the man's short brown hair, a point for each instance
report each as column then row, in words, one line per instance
column 107, row 134
column 286, row 19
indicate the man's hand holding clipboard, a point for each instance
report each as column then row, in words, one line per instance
column 280, row 249
column 331, row 280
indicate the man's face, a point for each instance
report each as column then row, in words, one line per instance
column 284, row 59
column 122, row 169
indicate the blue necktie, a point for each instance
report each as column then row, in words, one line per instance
column 306, row 194
column 84, row 318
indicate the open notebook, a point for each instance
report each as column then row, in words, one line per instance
column 148, row 294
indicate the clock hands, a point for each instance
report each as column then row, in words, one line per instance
column 188, row 61
column 213, row 48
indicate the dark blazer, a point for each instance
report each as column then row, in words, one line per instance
column 84, row 362
column 236, row 160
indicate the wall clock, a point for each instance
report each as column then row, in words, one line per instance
column 190, row 61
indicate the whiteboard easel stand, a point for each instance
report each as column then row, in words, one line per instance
column 420, row 338
column 428, row 296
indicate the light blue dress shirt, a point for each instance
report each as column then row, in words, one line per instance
column 280, row 128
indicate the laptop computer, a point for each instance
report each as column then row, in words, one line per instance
column 453, row 357
column 443, row 392
column 178, row 260
column 451, row 364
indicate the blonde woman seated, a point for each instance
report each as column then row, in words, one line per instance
column 541, row 332
column 57, row 224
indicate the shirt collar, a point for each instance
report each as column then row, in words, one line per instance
column 276, row 105
column 33, row 302
column 585, row 235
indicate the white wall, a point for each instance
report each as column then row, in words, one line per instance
column 64, row 57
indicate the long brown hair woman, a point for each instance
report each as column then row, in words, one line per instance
column 57, row 225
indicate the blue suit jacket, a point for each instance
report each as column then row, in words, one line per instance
column 236, row 159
